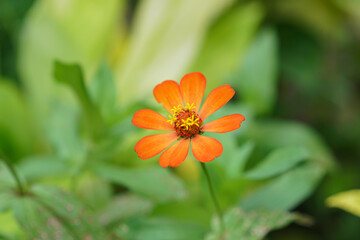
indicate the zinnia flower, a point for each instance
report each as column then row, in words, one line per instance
column 186, row 121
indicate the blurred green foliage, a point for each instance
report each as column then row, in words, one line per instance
column 73, row 72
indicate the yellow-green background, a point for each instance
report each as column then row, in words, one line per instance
column 293, row 63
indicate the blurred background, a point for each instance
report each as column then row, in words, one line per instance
column 73, row 72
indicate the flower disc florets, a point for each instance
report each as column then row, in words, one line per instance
column 186, row 121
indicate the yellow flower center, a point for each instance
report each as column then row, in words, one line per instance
column 186, row 121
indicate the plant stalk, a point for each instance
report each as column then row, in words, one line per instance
column 213, row 196
column 13, row 173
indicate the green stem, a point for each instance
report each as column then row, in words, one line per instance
column 213, row 196
column 13, row 173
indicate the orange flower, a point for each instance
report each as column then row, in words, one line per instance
column 185, row 122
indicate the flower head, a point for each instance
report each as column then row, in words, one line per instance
column 186, row 121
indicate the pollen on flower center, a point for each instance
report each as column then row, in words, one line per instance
column 186, row 121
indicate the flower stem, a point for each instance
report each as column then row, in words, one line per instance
column 213, row 196
column 13, row 173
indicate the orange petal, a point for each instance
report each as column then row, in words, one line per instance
column 225, row 124
column 216, row 99
column 192, row 88
column 152, row 145
column 150, row 119
column 176, row 154
column 168, row 93
column 206, row 149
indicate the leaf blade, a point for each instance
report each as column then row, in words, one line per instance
column 250, row 225
column 348, row 201
column 153, row 182
column 278, row 161
column 297, row 184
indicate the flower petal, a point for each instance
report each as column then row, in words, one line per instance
column 192, row 88
column 176, row 154
column 150, row 119
column 152, row 145
column 206, row 149
column 216, row 99
column 225, row 124
column 168, row 93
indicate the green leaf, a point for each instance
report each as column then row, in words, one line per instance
column 239, row 159
column 3, row 237
column 252, row 225
column 226, row 42
column 7, row 181
column 153, row 182
column 270, row 135
column 348, row 201
column 234, row 157
column 278, row 161
column 38, row 167
column 6, row 199
column 92, row 190
column 160, row 229
column 69, row 211
column 38, row 222
column 286, row 191
column 63, row 132
column 16, row 134
column 187, row 210
column 9, row 227
column 102, row 90
column 123, row 207
column 72, row 75
column 73, row 32
column 256, row 80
